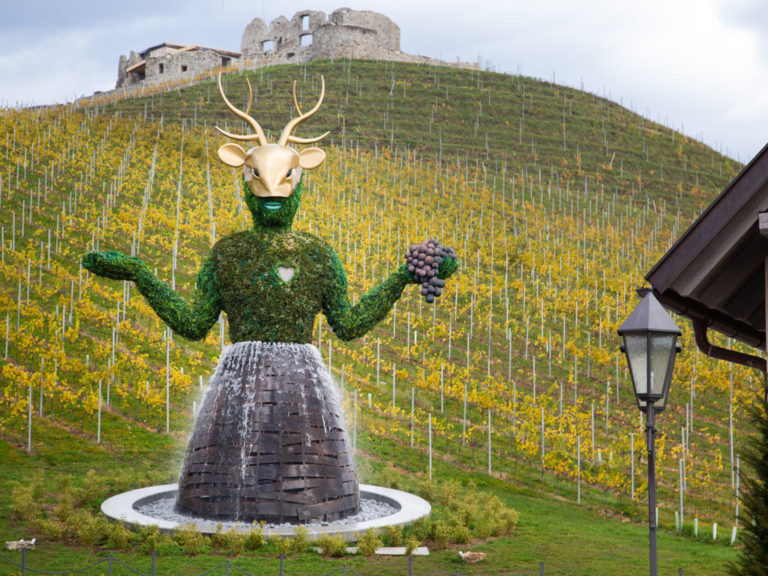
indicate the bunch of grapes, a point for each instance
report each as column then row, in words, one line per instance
column 423, row 261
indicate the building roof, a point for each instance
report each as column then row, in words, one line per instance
column 229, row 53
column 171, row 45
column 715, row 273
column 175, row 48
column 140, row 66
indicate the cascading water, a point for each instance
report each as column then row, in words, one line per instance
column 269, row 442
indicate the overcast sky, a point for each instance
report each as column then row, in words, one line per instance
column 700, row 66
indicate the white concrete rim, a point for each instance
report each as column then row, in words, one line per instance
column 412, row 507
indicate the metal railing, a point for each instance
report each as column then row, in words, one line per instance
column 229, row 568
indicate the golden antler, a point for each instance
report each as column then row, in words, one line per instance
column 286, row 135
column 295, row 101
column 259, row 133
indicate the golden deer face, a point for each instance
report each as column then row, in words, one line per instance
column 272, row 170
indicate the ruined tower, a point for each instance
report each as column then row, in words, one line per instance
column 310, row 35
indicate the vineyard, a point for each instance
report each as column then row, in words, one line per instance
column 555, row 201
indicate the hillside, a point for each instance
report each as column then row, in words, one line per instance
column 556, row 201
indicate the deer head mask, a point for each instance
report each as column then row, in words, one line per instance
column 272, row 170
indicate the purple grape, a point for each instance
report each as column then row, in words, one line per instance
column 423, row 261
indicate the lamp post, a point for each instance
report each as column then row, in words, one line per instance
column 650, row 344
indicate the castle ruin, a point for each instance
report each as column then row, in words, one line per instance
column 309, row 35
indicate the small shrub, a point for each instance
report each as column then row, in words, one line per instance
column 459, row 534
column 191, row 540
column 333, row 546
column 230, row 541
column 152, row 540
column 26, row 506
column 411, row 545
column 50, row 528
column 508, row 519
column 118, row 536
column 89, row 530
column 255, row 537
column 300, row 539
column 78, row 496
column 369, row 542
column 441, row 533
column 420, row 529
column 283, row 545
column 149, row 537
column 392, row 536
column 65, row 507
column 95, row 484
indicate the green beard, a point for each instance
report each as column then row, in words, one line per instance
column 273, row 213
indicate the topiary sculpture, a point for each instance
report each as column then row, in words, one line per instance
column 269, row 442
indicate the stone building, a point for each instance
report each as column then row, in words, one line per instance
column 309, row 35
column 169, row 62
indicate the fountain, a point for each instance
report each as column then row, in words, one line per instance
column 269, row 443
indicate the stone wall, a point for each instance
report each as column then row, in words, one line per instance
column 310, row 35
column 183, row 64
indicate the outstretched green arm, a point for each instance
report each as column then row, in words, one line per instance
column 190, row 321
column 350, row 322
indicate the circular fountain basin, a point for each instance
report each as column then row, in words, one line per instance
column 381, row 507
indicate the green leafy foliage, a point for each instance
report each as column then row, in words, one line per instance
column 300, row 539
column 369, row 542
column 191, row 540
column 232, row 541
column 410, row 545
column 392, row 536
column 255, row 537
column 753, row 557
column 332, row 546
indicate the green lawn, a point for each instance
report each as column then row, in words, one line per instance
column 570, row 538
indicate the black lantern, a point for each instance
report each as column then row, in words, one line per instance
column 650, row 343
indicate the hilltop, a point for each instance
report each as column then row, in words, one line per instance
column 556, row 200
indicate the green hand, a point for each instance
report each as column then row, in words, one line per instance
column 447, row 267
column 114, row 265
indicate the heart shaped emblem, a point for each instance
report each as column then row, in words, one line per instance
column 286, row 274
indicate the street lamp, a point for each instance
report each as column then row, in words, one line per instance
column 650, row 344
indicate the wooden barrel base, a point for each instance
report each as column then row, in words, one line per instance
column 269, row 442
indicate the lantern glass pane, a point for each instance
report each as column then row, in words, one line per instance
column 636, row 348
column 662, row 347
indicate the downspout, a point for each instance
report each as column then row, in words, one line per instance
column 700, row 332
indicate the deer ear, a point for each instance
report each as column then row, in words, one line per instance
column 232, row 154
column 311, row 158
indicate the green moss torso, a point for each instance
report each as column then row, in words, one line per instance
column 241, row 277
column 260, row 305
